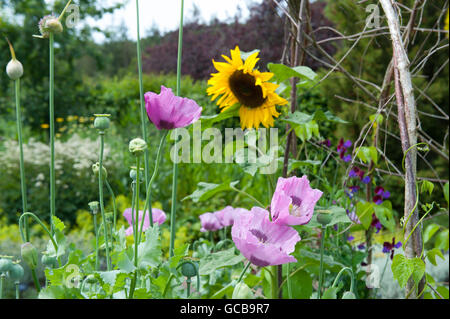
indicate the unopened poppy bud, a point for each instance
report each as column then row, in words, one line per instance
column 14, row 69
column 50, row 24
column 324, row 218
column 16, row 272
column 133, row 174
column 109, row 217
column 242, row 291
column 137, row 146
column 188, row 269
column 29, row 255
column 96, row 169
column 102, row 121
column 5, row 265
column 93, row 206
column 49, row 261
column 348, row 295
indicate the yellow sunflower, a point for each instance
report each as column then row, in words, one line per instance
column 239, row 82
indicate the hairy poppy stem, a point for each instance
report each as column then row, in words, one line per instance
column 52, row 132
column 175, row 165
column 102, row 207
column 322, row 240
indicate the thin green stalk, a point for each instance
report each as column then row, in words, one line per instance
column 248, row 195
column 175, row 165
column 100, row 190
column 2, row 280
column 188, row 287
column 322, row 240
column 274, row 273
column 243, row 272
column 35, row 279
column 336, row 280
column 17, row 291
column 136, row 227
column 23, row 185
column 111, row 192
column 52, row 132
column 288, row 278
column 148, row 198
column 96, row 242
column 141, row 95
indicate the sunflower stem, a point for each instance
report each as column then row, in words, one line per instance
column 175, row 165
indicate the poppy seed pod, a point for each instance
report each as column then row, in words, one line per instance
column 96, row 169
column 29, row 255
column 137, row 146
column 188, row 269
column 14, row 69
column 102, row 121
column 324, row 218
column 50, row 24
column 5, row 265
column 242, row 291
column 16, row 272
column 91, row 279
column 348, row 295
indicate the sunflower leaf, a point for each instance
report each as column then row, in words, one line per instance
column 283, row 72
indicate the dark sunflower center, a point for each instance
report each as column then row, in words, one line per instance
column 244, row 88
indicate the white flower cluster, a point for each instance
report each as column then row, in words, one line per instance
column 82, row 152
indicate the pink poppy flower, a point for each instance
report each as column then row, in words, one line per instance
column 158, row 215
column 293, row 201
column 209, row 222
column 168, row 111
column 262, row 242
column 227, row 215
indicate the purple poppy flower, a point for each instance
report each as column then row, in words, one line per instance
column 263, row 242
column 168, row 111
column 227, row 215
column 293, row 201
column 210, row 222
column 158, row 215
column 389, row 247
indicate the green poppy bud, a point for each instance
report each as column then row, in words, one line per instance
column 324, row 218
column 137, row 146
column 96, row 169
column 189, row 269
column 242, row 291
column 102, row 121
column 29, row 255
column 49, row 261
column 348, row 295
column 5, row 265
column 16, row 272
column 94, row 206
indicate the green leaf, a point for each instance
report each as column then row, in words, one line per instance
column 208, row 121
column 430, row 230
column 446, row 192
column 427, row 186
column 207, row 190
column 59, row 225
column 379, row 119
column 366, row 154
column 283, row 72
column 112, row 281
column 124, row 262
column 301, row 285
column 149, row 251
column 384, row 214
column 330, row 293
column 442, row 240
column 364, row 212
column 419, row 269
column 178, row 254
column 431, row 255
column 217, row 260
column 402, row 269
column 327, row 116
column 443, row 291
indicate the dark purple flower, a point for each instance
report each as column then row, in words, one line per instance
column 377, row 199
column 389, row 247
column 326, row 143
column 353, row 173
column 366, row 179
column 350, row 238
column 386, row 194
column 361, row 246
column 348, row 144
column 354, row 189
column 347, row 158
column 376, row 223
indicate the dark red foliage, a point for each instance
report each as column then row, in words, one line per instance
column 264, row 30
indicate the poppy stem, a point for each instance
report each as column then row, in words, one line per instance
column 142, row 100
column 322, row 240
column 23, row 185
column 113, row 197
column 100, row 190
column 96, row 241
column 243, row 272
column 52, row 130
column 175, row 165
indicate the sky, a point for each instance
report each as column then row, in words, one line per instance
column 165, row 14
